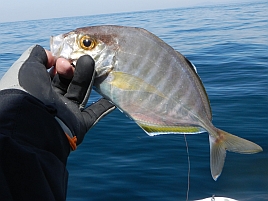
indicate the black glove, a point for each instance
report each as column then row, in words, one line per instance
column 68, row 97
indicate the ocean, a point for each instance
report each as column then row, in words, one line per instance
column 117, row 161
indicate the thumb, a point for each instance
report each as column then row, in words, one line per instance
column 94, row 113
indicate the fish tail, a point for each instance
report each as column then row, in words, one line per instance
column 222, row 141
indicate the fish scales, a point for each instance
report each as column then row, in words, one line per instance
column 152, row 83
column 157, row 78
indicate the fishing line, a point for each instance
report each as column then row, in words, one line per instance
column 189, row 166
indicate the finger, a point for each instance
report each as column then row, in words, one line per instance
column 36, row 54
column 81, row 84
column 94, row 113
column 62, row 75
column 64, row 68
column 50, row 59
column 60, row 84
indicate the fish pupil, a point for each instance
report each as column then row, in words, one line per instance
column 86, row 42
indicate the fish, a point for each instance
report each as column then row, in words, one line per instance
column 152, row 83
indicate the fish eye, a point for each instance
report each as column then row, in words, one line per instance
column 87, row 43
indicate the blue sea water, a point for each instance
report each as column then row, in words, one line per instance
column 117, row 161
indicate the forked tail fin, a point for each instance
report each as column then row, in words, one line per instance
column 226, row 141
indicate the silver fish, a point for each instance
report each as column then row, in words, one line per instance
column 152, row 83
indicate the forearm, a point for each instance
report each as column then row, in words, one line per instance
column 31, row 123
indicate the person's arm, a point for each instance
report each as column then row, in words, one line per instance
column 67, row 96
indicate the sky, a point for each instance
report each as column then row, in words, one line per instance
column 16, row 10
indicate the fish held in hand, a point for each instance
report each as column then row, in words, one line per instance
column 150, row 82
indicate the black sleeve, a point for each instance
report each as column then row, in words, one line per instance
column 33, row 149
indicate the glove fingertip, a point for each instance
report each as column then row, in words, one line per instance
column 96, row 111
column 85, row 60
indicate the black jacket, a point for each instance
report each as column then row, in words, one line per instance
column 33, row 149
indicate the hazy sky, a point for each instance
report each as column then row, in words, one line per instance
column 16, row 10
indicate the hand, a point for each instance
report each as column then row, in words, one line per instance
column 68, row 92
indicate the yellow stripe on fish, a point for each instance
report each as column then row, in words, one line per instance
column 170, row 129
column 129, row 82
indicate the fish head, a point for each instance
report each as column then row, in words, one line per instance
column 93, row 41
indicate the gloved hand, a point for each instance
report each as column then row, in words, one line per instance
column 67, row 96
